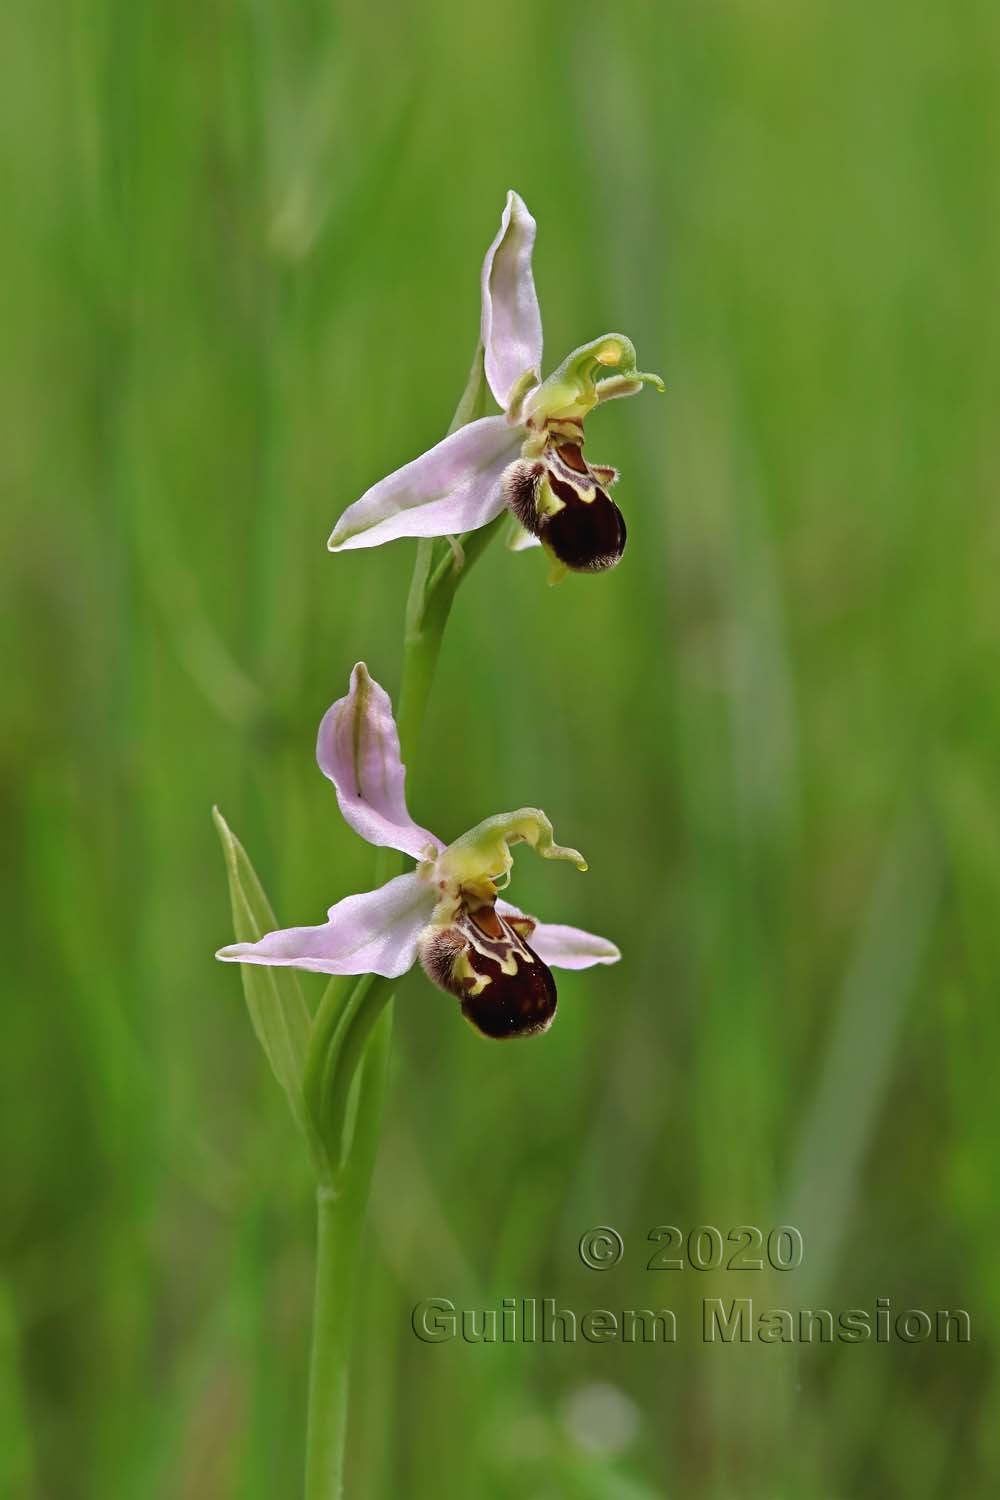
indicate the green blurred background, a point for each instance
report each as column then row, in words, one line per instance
column 238, row 281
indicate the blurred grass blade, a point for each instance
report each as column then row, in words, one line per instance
column 852, row 1085
column 274, row 997
column 16, row 1466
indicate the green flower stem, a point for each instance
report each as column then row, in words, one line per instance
column 340, row 1225
column 340, row 1230
column 342, row 1027
column 340, row 1219
column 353, row 1027
column 421, row 647
column 436, row 579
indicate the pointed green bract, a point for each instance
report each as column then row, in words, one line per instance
column 274, row 997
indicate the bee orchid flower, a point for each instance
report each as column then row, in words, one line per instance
column 529, row 459
column 446, row 913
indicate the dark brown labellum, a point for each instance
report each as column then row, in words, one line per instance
column 589, row 535
column 481, row 958
column 585, row 530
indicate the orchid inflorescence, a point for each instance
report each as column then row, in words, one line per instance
column 448, row 913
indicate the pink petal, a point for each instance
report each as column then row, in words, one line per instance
column 374, row 933
column 358, row 748
column 565, row 947
column 453, row 487
column 511, row 329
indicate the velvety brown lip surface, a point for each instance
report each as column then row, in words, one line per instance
column 519, row 996
column 519, row 1004
column 587, row 535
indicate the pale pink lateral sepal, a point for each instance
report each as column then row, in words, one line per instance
column 373, row 933
column 453, row 487
column 358, row 749
column 564, row 947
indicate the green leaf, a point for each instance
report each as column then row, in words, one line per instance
column 472, row 403
column 274, row 997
